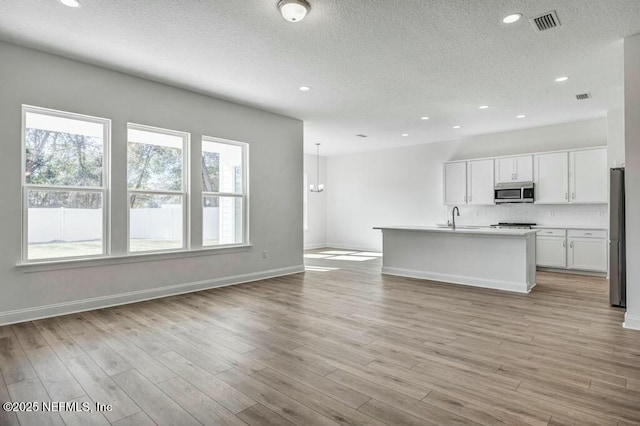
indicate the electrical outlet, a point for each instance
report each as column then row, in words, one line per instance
column 265, row 254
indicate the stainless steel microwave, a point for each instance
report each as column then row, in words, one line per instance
column 514, row 192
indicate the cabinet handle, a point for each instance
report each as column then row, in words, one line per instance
column 465, row 198
column 566, row 195
column 470, row 198
column 571, row 245
column 573, row 196
column 588, row 233
column 564, row 244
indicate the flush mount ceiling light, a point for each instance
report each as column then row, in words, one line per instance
column 510, row 19
column 424, row 118
column 305, row 88
column 405, row 134
column 456, row 127
column 521, row 116
column 294, row 10
column 483, row 107
column 70, row 3
column 562, row 78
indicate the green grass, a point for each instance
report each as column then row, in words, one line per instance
column 62, row 249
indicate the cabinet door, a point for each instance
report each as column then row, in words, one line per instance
column 551, row 251
column 505, row 170
column 455, row 183
column 551, row 176
column 480, row 182
column 524, row 168
column 588, row 254
column 588, row 176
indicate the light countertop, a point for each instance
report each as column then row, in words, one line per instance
column 588, row 228
column 462, row 229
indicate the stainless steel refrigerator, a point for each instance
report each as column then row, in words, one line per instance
column 617, row 253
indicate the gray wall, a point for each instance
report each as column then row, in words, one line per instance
column 276, row 164
column 632, row 176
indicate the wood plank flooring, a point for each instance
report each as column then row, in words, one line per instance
column 338, row 345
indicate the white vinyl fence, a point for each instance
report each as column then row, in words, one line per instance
column 60, row 224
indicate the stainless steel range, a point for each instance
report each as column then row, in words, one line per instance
column 513, row 225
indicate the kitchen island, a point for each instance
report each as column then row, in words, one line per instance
column 501, row 259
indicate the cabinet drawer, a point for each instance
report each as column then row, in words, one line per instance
column 587, row 233
column 551, row 232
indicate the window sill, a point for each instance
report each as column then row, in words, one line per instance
column 53, row 265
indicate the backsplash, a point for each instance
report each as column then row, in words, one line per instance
column 587, row 215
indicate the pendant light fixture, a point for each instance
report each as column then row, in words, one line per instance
column 320, row 188
column 294, row 10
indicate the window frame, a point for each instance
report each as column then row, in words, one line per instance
column 244, row 195
column 186, row 188
column 104, row 189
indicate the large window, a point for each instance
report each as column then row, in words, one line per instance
column 66, row 193
column 64, row 184
column 157, row 181
column 224, row 192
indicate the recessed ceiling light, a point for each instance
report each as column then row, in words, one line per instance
column 561, row 79
column 456, row 127
column 424, row 118
column 70, row 3
column 483, row 107
column 405, row 134
column 305, row 88
column 294, row 10
column 510, row 19
column 520, row 116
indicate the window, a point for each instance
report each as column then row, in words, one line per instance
column 224, row 192
column 157, row 182
column 64, row 185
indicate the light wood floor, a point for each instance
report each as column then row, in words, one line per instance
column 337, row 346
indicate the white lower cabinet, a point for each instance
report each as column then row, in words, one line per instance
column 584, row 250
column 589, row 254
column 551, row 252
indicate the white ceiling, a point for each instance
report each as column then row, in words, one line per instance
column 374, row 67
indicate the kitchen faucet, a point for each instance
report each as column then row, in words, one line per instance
column 453, row 217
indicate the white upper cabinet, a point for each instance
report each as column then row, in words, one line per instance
column 514, row 169
column 524, row 168
column 480, row 182
column 504, row 170
column 588, row 176
column 579, row 176
column 551, row 177
column 455, row 183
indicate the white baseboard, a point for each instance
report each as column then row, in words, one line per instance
column 350, row 247
column 46, row 311
column 631, row 322
column 572, row 272
column 459, row 279
column 315, row 246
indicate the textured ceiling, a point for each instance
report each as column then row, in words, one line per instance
column 374, row 67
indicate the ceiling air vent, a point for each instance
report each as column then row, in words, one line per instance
column 546, row 21
column 583, row 96
column 360, row 135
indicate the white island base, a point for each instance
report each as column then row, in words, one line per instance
column 501, row 259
